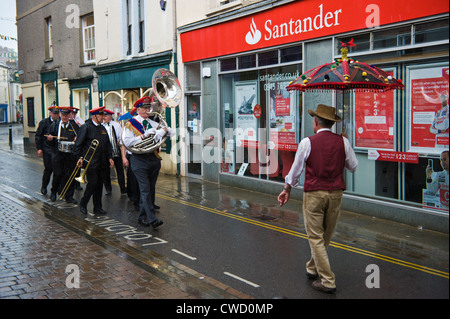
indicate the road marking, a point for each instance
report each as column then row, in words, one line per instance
column 183, row 254
column 304, row 236
column 242, row 279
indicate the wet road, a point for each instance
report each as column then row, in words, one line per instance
column 245, row 241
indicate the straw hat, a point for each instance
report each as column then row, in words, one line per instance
column 325, row 112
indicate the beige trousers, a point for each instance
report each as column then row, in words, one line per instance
column 320, row 212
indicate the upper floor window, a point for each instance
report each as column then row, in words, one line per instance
column 88, row 39
column 134, row 12
column 48, row 38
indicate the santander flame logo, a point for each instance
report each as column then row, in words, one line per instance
column 254, row 35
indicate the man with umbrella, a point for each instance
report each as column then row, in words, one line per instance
column 324, row 157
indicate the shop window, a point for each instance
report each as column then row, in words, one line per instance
column 228, row 64
column 268, row 58
column 392, row 38
column 291, row 54
column 261, row 122
column 247, row 61
column 362, row 42
column 431, row 31
column 193, row 77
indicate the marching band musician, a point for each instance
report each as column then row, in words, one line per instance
column 145, row 166
column 43, row 149
column 61, row 138
column 101, row 158
column 74, row 116
column 115, row 136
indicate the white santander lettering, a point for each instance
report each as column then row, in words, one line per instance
column 305, row 24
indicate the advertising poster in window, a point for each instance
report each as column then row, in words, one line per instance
column 246, row 123
column 374, row 120
column 436, row 193
column 429, row 123
column 282, row 117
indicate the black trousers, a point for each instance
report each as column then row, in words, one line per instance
column 146, row 168
column 118, row 164
column 63, row 166
column 94, row 187
column 48, row 169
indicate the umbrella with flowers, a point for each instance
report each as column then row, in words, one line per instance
column 345, row 74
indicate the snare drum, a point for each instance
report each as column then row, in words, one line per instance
column 66, row 147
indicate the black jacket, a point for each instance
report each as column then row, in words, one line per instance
column 87, row 133
column 40, row 139
column 67, row 134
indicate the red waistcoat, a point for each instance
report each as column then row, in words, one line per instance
column 326, row 162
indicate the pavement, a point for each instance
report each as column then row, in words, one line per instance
column 44, row 248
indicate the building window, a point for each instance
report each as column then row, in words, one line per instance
column 141, row 26
column 129, row 28
column 88, row 39
column 48, row 39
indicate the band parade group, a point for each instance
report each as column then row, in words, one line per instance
column 90, row 149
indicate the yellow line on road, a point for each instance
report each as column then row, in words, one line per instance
column 304, row 236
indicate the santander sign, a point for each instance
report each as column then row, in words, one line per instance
column 298, row 21
column 294, row 26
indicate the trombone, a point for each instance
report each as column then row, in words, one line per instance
column 81, row 179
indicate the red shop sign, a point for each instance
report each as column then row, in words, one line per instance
column 300, row 21
column 390, row 156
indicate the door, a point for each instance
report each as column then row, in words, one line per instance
column 194, row 127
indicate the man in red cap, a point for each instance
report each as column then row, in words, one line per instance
column 115, row 136
column 43, row 149
column 145, row 166
column 101, row 160
column 62, row 134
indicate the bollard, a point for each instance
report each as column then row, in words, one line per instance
column 10, row 136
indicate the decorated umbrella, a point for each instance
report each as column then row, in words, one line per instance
column 345, row 74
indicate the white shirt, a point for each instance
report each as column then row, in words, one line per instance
column 302, row 155
column 117, row 130
column 129, row 139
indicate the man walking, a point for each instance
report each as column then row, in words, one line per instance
column 324, row 157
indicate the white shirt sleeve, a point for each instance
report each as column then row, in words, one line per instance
column 129, row 139
column 351, row 163
column 302, row 154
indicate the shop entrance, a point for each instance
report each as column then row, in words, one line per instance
column 194, row 139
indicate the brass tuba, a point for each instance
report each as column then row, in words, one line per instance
column 165, row 92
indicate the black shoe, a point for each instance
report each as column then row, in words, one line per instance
column 157, row 223
column 44, row 191
column 71, row 200
column 83, row 210
column 143, row 222
column 100, row 212
column 53, row 197
column 156, row 206
column 108, row 193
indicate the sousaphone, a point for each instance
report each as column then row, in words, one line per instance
column 165, row 93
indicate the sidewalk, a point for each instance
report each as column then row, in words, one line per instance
column 36, row 250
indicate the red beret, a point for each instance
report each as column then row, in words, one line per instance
column 143, row 102
column 98, row 110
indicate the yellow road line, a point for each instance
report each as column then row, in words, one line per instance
column 304, row 236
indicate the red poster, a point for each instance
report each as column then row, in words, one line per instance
column 374, row 120
column 389, row 156
column 282, row 105
column 429, row 109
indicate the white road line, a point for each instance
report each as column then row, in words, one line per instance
column 183, row 254
column 242, row 279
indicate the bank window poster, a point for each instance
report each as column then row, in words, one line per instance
column 428, row 109
column 374, row 119
column 245, row 99
column 282, row 117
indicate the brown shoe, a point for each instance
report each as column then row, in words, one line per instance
column 318, row 286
